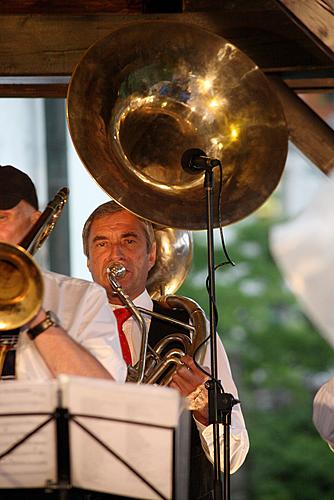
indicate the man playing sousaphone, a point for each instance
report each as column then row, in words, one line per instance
column 112, row 235
column 74, row 331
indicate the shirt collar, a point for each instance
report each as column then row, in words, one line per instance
column 143, row 300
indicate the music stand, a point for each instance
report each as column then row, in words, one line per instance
column 77, row 431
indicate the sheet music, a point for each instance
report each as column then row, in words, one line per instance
column 149, row 450
column 31, row 464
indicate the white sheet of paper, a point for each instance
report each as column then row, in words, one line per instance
column 148, row 449
column 32, row 463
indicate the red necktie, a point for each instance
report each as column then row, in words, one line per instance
column 122, row 314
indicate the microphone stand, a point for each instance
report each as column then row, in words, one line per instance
column 220, row 402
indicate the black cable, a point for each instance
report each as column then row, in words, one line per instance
column 227, row 261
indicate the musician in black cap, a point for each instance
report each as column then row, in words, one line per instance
column 74, row 331
column 18, row 204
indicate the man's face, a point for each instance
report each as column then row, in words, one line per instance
column 120, row 238
column 16, row 222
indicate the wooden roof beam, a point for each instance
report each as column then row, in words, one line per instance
column 310, row 134
column 315, row 18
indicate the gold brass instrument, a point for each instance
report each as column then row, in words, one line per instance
column 158, row 365
column 43, row 227
column 21, row 283
column 146, row 93
column 174, row 256
column 114, row 272
column 161, row 364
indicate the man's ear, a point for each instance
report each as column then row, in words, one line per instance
column 88, row 263
column 152, row 256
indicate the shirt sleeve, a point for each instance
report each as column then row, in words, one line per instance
column 94, row 327
column 239, row 442
column 323, row 412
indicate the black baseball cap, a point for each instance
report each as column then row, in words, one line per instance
column 15, row 186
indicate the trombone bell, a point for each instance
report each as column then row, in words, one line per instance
column 21, row 282
column 21, row 287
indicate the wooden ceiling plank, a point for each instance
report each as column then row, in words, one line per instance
column 73, row 7
column 316, row 18
column 37, row 91
column 307, row 130
column 53, row 45
column 311, row 85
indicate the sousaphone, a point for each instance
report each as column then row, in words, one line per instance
column 143, row 95
column 149, row 91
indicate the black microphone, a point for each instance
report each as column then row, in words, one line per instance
column 195, row 161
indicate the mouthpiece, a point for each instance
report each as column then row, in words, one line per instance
column 116, row 270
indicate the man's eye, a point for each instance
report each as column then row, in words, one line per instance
column 101, row 244
column 130, row 241
column 3, row 217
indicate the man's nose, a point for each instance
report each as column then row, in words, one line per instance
column 116, row 252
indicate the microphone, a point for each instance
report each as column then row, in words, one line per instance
column 194, row 161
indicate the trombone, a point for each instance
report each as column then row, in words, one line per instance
column 21, row 282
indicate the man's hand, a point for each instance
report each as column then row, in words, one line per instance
column 186, row 379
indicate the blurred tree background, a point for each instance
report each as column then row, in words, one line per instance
column 278, row 361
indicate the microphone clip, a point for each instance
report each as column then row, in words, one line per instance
column 194, row 161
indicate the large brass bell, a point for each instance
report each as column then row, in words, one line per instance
column 149, row 91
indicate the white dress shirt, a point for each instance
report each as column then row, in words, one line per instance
column 239, row 443
column 83, row 310
column 323, row 412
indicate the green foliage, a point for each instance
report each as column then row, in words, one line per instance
column 276, row 354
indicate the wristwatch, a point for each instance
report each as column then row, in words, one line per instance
column 50, row 320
